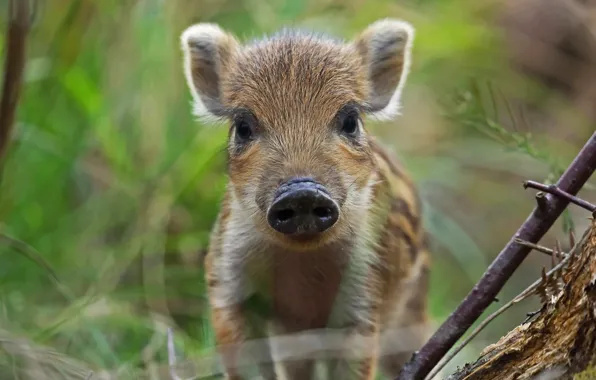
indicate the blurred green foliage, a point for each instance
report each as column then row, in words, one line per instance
column 112, row 184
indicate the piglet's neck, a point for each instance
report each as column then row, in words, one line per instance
column 337, row 251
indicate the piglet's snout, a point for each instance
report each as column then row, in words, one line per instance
column 302, row 207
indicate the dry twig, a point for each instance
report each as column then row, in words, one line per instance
column 536, row 247
column 554, row 190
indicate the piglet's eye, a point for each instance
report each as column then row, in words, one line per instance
column 243, row 130
column 350, row 125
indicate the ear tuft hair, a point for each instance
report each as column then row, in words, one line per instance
column 385, row 48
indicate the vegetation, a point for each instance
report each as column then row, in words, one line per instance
column 110, row 187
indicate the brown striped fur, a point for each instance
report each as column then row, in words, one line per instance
column 367, row 275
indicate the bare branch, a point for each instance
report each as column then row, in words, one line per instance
column 536, row 247
column 554, row 190
column 497, row 274
column 16, row 37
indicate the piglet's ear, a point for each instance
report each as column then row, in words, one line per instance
column 208, row 51
column 384, row 47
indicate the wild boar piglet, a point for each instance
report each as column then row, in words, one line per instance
column 319, row 223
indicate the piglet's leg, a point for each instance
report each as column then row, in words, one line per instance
column 358, row 358
column 262, row 350
column 229, row 335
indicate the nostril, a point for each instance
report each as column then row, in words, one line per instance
column 284, row 215
column 322, row 212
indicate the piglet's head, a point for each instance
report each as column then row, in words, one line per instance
column 301, row 166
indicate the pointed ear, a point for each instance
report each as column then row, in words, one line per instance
column 384, row 47
column 208, row 51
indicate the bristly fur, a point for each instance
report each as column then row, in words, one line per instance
column 294, row 33
column 368, row 273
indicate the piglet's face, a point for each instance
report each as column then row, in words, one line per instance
column 300, row 164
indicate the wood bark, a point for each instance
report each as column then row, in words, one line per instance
column 560, row 342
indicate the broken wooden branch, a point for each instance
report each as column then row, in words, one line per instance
column 532, row 289
column 513, row 254
column 561, row 338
